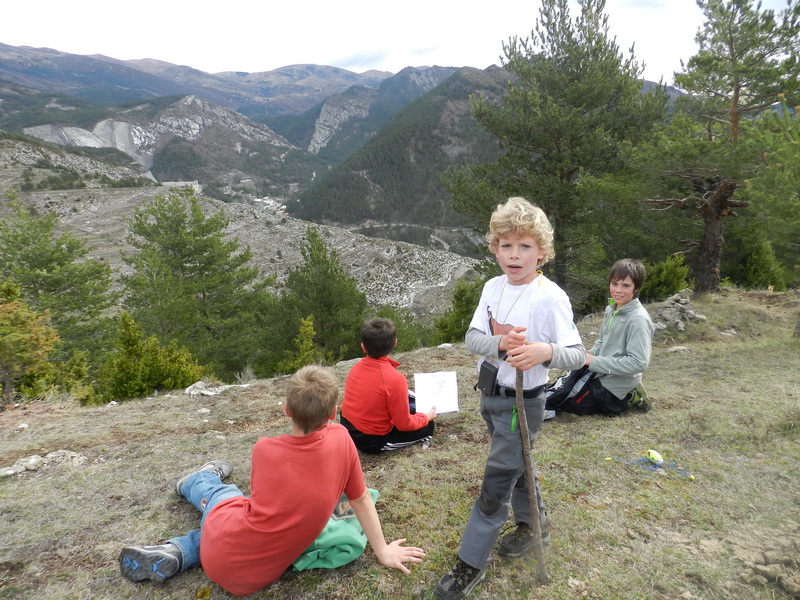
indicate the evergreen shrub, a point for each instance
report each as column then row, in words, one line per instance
column 305, row 352
column 142, row 365
column 763, row 270
column 665, row 279
column 68, row 377
column 453, row 325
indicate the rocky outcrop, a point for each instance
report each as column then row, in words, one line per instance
column 36, row 462
column 427, row 79
column 336, row 111
column 141, row 137
column 371, row 107
column 19, row 155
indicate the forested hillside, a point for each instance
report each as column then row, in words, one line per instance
column 344, row 122
column 182, row 285
column 397, row 177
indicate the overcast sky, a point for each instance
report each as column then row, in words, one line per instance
column 357, row 35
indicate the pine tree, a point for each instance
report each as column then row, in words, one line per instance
column 191, row 283
column 747, row 57
column 56, row 275
column 453, row 325
column 320, row 288
column 26, row 339
column 305, row 351
column 572, row 102
column 774, row 189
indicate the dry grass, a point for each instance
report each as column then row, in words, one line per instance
column 726, row 411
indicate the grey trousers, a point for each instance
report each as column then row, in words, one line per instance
column 504, row 481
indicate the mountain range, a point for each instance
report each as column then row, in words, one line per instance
column 359, row 150
column 101, row 79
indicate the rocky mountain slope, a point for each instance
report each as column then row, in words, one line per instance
column 141, row 134
column 404, row 275
column 396, row 273
column 397, row 176
column 17, row 157
column 345, row 121
column 178, row 138
column 194, row 137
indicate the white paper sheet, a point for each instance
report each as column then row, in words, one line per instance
column 436, row 389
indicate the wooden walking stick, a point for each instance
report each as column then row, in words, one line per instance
column 530, row 473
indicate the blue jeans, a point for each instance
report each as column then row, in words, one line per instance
column 204, row 491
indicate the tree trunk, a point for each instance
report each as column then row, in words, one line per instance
column 710, row 257
column 714, row 208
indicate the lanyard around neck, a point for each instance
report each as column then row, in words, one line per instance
column 513, row 304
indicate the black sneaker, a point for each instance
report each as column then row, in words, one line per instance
column 220, row 468
column 156, row 563
column 459, row 581
column 520, row 540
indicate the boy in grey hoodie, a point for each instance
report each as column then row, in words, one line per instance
column 621, row 353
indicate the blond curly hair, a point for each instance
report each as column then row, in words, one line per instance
column 519, row 217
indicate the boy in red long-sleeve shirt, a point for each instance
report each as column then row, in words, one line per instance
column 376, row 409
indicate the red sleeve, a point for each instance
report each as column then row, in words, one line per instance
column 397, row 402
column 355, row 486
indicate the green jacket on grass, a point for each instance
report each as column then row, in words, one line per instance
column 341, row 542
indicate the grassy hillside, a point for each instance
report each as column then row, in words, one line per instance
column 726, row 410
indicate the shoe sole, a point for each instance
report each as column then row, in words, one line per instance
column 136, row 565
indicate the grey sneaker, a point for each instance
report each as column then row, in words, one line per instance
column 459, row 581
column 549, row 414
column 156, row 563
column 520, row 540
column 220, row 468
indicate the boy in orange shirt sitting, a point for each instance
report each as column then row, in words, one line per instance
column 376, row 408
column 296, row 481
